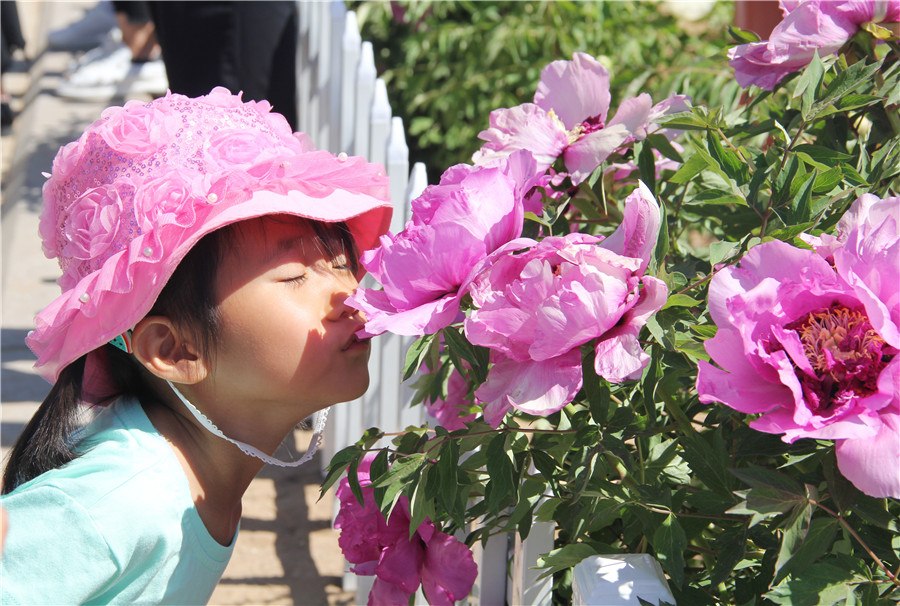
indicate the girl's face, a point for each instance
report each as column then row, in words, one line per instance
column 287, row 336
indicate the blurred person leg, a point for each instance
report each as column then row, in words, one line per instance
column 10, row 39
column 243, row 46
column 130, row 67
column 87, row 33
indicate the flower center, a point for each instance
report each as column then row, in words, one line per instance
column 590, row 125
column 846, row 355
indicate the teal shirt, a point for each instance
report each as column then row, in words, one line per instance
column 116, row 525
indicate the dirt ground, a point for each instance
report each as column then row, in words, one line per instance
column 287, row 551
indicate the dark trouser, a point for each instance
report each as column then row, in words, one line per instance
column 243, row 46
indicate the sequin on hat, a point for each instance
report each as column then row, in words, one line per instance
column 129, row 198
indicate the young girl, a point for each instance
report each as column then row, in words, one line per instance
column 206, row 254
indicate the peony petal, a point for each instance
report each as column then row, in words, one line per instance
column 538, row 388
column 871, row 463
column 384, row 593
column 525, row 126
column 584, row 156
column 449, row 571
column 575, row 90
column 400, row 563
column 637, row 234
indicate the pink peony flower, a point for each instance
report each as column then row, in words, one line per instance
column 448, row 411
column 444, row 567
column 809, row 340
column 138, row 128
column 536, row 308
column 455, row 225
column 568, row 119
column 808, row 27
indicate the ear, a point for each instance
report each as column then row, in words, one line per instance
column 166, row 352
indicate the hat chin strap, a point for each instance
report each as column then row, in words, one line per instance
column 319, row 420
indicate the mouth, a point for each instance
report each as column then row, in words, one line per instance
column 356, row 342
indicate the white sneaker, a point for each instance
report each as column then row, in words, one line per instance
column 110, row 44
column 86, row 33
column 114, row 75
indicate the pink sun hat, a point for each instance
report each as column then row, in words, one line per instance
column 128, row 199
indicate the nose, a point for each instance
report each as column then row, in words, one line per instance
column 340, row 308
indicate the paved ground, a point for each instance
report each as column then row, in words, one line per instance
column 287, row 551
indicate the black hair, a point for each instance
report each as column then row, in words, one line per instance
column 189, row 301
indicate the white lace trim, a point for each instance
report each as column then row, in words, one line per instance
column 319, row 420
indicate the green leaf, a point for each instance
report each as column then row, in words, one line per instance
column 708, row 461
column 662, row 144
column 338, row 465
column 669, row 542
column 789, row 233
column 742, row 36
column 417, row 353
column 814, row 545
column 420, row 506
column 822, row 584
column 402, row 469
column 732, row 545
column 808, row 84
column 677, row 300
column 566, row 556
column 719, row 251
column 717, row 196
column 800, row 205
column 704, row 331
column 447, row 466
column 828, row 180
column 501, row 469
column 793, row 535
column 690, row 169
column 647, row 165
column 825, row 157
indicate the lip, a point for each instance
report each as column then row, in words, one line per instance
column 355, row 342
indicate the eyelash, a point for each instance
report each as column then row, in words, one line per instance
column 297, row 280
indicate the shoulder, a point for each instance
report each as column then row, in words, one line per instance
column 126, row 483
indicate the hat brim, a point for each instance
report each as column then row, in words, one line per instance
column 127, row 285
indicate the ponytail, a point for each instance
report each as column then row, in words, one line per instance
column 45, row 443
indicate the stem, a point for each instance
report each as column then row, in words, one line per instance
column 730, row 144
column 856, row 536
column 697, row 283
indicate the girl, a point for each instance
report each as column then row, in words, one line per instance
column 206, row 255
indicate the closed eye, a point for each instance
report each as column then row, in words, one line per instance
column 296, row 280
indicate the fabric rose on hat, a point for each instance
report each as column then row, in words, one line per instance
column 809, row 340
column 535, row 308
column 444, row 567
column 94, row 230
column 138, row 128
column 568, row 119
column 822, row 26
column 454, row 226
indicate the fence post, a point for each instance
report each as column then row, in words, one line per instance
column 335, row 73
column 350, row 47
column 303, row 68
column 365, row 92
column 380, row 125
column 314, row 98
column 323, row 127
column 524, row 588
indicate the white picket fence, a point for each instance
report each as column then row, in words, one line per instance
column 344, row 107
